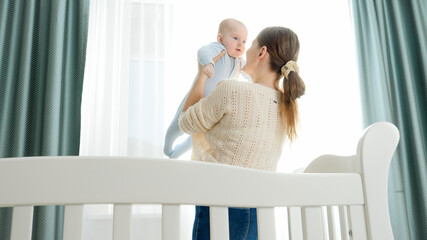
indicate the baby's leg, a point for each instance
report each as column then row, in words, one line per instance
column 182, row 147
column 173, row 133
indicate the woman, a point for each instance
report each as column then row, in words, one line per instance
column 245, row 124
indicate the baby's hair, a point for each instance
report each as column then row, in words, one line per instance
column 225, row 24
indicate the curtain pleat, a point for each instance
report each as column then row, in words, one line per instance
column 42, row 59
column 391, row 38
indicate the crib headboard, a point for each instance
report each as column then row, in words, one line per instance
column 372, row 161
column 356, row 185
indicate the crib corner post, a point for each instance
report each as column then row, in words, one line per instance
column 375, row 151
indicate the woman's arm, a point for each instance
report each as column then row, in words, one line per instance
column 206, row 113
column 196, row 92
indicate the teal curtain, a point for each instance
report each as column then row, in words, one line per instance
column 42, row 59
column 391, row 39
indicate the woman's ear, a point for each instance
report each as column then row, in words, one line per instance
column 262, row 52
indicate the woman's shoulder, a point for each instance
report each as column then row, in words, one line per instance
column 227, row 84
column 242, row 85
column 228, row 87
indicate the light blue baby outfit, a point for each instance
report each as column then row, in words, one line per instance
column 226, row 67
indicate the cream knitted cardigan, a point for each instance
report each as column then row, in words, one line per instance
column 239, row 124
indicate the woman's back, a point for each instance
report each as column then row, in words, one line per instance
column 238, row 124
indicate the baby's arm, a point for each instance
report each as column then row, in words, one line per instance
column 205, row 56
column 196, row 91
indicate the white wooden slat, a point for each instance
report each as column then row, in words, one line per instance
column 171, row 222
column 332, row 222
column 122, row 221
column 357, row 222
column 22, row 223
column 295, row 223
column 266, row 224
column 325, row 222
column 344, row 222
column 312, row 221
column 218, row 217
column 73, row 222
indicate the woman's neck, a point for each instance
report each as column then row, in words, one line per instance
column 263, row 74
column 266, row 79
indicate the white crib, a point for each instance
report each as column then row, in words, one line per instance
column 356, row 185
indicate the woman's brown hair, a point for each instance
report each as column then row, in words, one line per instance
column 283, row 46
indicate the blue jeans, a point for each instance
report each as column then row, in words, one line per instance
column 242, row 224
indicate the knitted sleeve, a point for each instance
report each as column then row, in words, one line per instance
column 203, row 115
column 207, row 53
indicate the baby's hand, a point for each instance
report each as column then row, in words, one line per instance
column 209, row 70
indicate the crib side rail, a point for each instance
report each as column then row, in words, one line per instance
column 125, row 181
column 96, row 180
column 360, row 193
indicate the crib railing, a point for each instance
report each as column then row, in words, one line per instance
column 355, row 185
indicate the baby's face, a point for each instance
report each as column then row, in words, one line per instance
column 234, row 40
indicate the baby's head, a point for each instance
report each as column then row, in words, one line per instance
column 233, row 34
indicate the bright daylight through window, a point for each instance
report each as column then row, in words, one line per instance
column 165, row 39
column 150, row 47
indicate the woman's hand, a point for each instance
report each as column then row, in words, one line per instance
column 196, row 92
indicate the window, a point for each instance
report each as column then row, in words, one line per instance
column 163, row 39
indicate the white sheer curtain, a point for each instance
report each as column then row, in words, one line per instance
column 106, row 82
column 122, row 103
column 127, row 54
column 141, row 61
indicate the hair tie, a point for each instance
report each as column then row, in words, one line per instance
column 290, row 66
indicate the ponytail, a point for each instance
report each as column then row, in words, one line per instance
column 293, row 88
column 283, row 46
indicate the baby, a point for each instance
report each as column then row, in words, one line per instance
column 232, row 35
